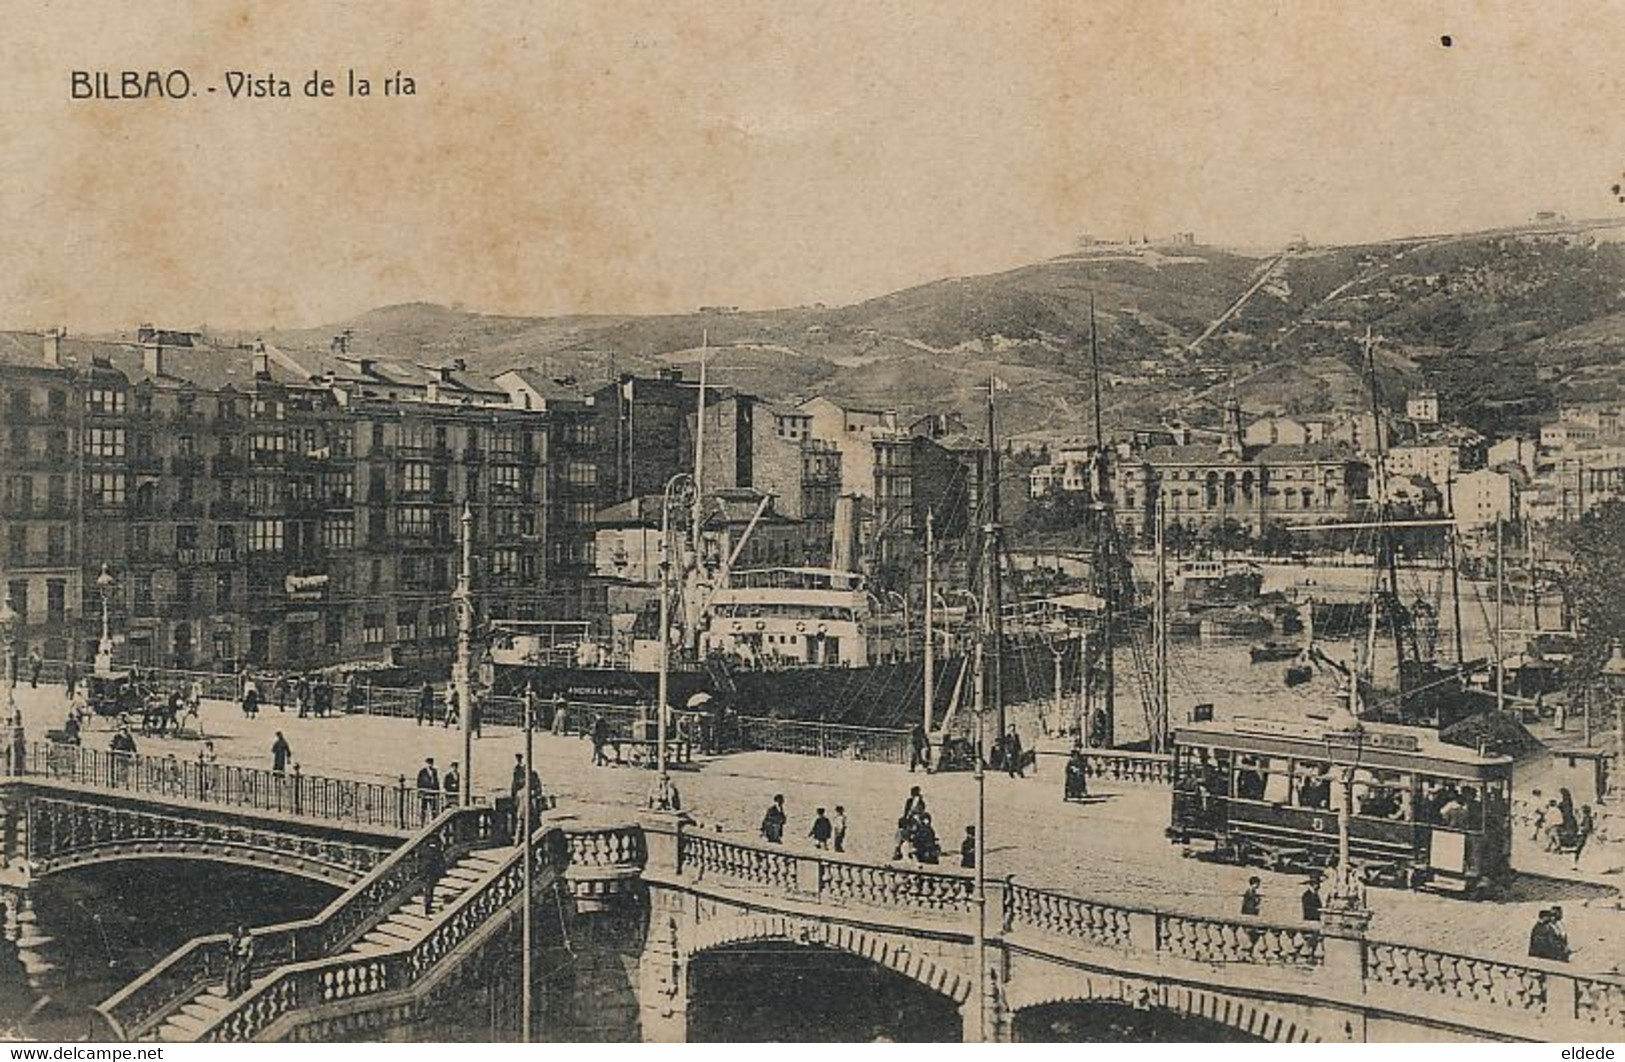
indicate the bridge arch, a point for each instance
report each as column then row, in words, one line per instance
column 339, row 877
column 910, row 960
column 1252, row 1017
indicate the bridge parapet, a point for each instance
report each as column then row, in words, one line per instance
column 146, row 1002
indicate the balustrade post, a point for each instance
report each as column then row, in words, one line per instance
column 809, row 875
column 1562, row 997
column 663, row 840
column 1143, row 932
column 400, row 803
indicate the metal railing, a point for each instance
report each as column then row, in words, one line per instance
column 345, row 800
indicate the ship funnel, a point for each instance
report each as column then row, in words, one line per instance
column 844, row 548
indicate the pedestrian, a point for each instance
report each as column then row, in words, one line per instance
column 821, row 830
column 434, row 865
column 1013, row 753
column 919, row 748
column 206, row 760
column 280, row 691
column 518, row 781
column 123, row 749
column 1547, row 940
column 239, row 961
column 1543, row 816
column 428, row 789
column 280, row 751
column 70, row 678
column 927, row 848
column 476, row 712
column 967, row 849
column 425, row 703
column 194, row 712
column 1583, row 829
column 301, row 696
column 774, row 820
column 35, row 664
column 561, row 715
column 600, row 738
column 1252, row 901
column 839, row 836
column 1077, row 775
column 450, row 783
column 1311, row 899
column 914, row 806
column 251, row 699
column 451, row 717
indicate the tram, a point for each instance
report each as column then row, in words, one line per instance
column 1424, row 813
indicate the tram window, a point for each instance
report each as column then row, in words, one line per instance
column 1451, row 804
column 1382, row 794
column 1252, row 777
column 1313, row 784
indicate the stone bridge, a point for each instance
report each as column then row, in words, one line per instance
column 1272, row 981
column 72, row 807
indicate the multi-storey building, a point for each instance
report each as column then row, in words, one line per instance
column 258, row 506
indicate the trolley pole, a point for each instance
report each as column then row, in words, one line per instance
column 527, row 814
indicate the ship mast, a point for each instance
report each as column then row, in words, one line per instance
column 1105, row 522
column 1385, row 542
column 993, row 599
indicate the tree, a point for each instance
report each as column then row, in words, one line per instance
column 1594, row 582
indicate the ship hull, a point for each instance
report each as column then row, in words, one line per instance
column 879, row 695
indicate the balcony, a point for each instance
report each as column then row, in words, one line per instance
column 205, row 555
column 33, row 558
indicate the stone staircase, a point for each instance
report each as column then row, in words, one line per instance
column 405, row 925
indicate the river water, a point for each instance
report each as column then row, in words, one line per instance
column 96, row 928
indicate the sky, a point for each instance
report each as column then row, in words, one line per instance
column 587, row 157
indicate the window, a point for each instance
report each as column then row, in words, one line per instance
column 16, row 546
column 58, row 488
column 267, row 408
column 143, row 594
column 333, row 629
column 105, row 488
column 406, row 626
column 415, row 521
column 17, row 592
column 57, row 402
column 56, row 600
column 416, row 478
column 268, row 447
column 265, row 493
column 439, row 624
column 56, row 443
column 21, row 403
column 265, row 536
column 225, row 536
column 185, row 406
column 56, row 545
column 372, row 628
column 583, row 513
column 505, row 480
column 504, row 443
column 140, row 540
column 581, row 433
column 223, row 591
column 18, row 441
column 185, row 446
column 186, row 537
column 104, row 400
column 185, row 490
column 105, row 442
column 504, row 563
column 377, row 574
column 226, row 447
column 341, row 440
column 143, row 401
column 581, row 474
column 338, row 533
column 20, row 493
column 338, row 488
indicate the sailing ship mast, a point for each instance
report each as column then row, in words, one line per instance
column 993, row 598
column 1100, row 535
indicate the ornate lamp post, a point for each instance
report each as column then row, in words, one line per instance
column 16, row 749
column 1613, row 679
column 679, row 491
column 104, row 649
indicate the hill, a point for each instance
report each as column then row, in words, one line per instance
column 1504, row 324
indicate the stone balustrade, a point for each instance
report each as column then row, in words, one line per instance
column 1067, row 917
column 1135, row 768
column 1212, row 940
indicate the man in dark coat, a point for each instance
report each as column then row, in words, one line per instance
column 919, row 748
column 1311, row 900
column 281, row 751
column 425, row 704
column 1252, row 902
column 434, row 865
column 773, row 822
column 821, row 830
column 428, row 789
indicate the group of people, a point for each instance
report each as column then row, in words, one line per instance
column 1558, row 828
column 437, row 790
column 450, row 706
column 1548, row 939
column 1309, row 901
column 309, row 694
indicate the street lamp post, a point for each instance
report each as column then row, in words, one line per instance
column 1613, row 677
column 104, row 648
column 678, row 490
column 16, row 750
column 465, row 655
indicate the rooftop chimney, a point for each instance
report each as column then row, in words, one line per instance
column 152, row 358
column 52, row 348
column 262, row 361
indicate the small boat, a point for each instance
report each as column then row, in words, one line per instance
column 1273, row 652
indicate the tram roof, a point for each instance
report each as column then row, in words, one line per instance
column 1373, row 740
